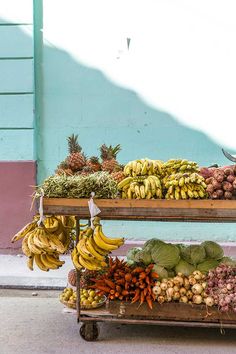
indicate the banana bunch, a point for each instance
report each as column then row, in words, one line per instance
column 185, row 186
column 179, row 165
column 43, row 244
column 93, row 248
column 141, row 187
column 143, row 167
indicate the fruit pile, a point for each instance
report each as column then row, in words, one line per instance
column 221, row 182
column 76, row 163
column 43, row 244
column 185, row 186
column 143, row 180
column 89, row 298
column 93, row 247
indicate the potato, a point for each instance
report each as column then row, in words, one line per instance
column 227, row 186
column 230, row 178
column 220, row 193
column 216, row 184
column 228, row 195
column 229, row 171
column 219, row 175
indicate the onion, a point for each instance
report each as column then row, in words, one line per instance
column 176, row 288
column 189, row 294
column 197, row 299
column 197, row 289
column 169, row 292
column 170, row 284
column 183, row 299
column 182, row 291
column 156, row 290
column 163, row 286
column 197, row 275
column 176, row 295
column 161, row 299
column 209, row 301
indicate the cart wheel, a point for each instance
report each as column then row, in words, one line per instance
column 89, row 331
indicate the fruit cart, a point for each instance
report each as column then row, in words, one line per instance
column 167, row 314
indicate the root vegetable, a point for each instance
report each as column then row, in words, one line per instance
column 189, row 294
column 228, row 171
column 209, row 301
column 230, row 178
column 219, row 193
column 176, row 295
column 228, row 195
column 156, row 290
column 197, row 289
column 183, row 299
column 163, row 286
column 210, row 188
column 197, row 299
column 227, row 186
column 161, row 299
column 182, row 291
column 216, row 184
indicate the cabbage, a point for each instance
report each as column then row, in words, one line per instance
column 161, row 271
column 228, row 261
column 207, row 265
column 143, row 257
column 213, row 250
column 184, row 267
column 132, row 252
column 171, row 274
column 165, row 255
column 193, row 254
column 130, row 262
column 150, row 244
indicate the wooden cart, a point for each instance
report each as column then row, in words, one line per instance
column 171, row 314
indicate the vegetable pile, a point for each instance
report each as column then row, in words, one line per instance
column 221, row 286
column 170, row 259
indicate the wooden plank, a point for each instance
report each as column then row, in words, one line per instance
column 16, row 76
column 16, row 41
column 165, row 210
column 17, row 111
column 16, row 144
column 15, row 11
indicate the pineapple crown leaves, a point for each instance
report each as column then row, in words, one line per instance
column 73, row 145
column 94, row 159
column 109, row 152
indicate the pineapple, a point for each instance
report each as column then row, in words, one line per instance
column 87, row 170
column 118, row 174
column 108, row 155
column 94, row 163
column 63, row 168
column 76, row 159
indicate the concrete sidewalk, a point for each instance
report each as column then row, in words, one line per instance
column 15, row 273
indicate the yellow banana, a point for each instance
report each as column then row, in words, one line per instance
column 142, row 191
column 123, row 195
column 158, row 193
column 190, row 193
column 99, row 241
column 40, row 264
column 55, row 243
column 75, row 259
column 147, row 186
column 127, row 170
column 33, row 248
column 134, row 167
column 149, row 195
column 25, row 247
column 139, row 168
column 51, row 223
column 125, row 181
column 183, row 193
column 81, row 248
column 97, row 248
column 195, row 194
column 30, row 262
column 47, row 264
column 88, row 265
column 40, row 238
column 144, row 168
column 112, row 241
column 92, row 250
column 129, row 193
column 153, row 185
column 27, row 228
column 53, row 258
column 137, row 192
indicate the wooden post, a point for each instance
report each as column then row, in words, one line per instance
column 77, row 271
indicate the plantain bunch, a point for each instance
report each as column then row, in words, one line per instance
column 44, row 243
column 143, row 167
column 179, row 165
column 185, row 186
column 141, row 187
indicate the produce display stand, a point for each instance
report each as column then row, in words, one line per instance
column 170, row 314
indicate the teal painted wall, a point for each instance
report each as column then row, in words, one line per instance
column 16, row 81
column 76, row 98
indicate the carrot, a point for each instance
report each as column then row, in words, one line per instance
column 154, row 275
column 110, row 283
column 134, row 280
column 149, row 301
column 118, row 288
column 112, row 291
column 111, row 297
column 126, row 286
column 125, row 292
column 142, row 275
column 137, row 270
column 120, row 281
column 136, row 296
column 106, row 289
column 128, row 277
column 147, row 279
column 142, row 298
column 145, row 291
column 121, row 297
column 117, row 294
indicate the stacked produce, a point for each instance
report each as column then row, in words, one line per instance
column 143, row 180
column 85, row 277
column 76, row 163
column 125, row 283
column 221, row 182
column 93, row 247
column 221, row 286
column 181, row 180
column 181, row 288
column 88, row 298
column 62, row 186
column 170, row 259
column 43, row 244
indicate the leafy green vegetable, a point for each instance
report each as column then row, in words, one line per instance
column 193, row 254
column 207, row 265
column 165, row 255
column 143, row 257
column 213, row 250
column 228, row 261
column 184, row 267
column 132, row 252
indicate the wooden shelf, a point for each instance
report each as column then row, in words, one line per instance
column 162, row 210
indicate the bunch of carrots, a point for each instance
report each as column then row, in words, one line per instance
column 123, row 282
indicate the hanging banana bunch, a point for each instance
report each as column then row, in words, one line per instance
column 93, row 247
